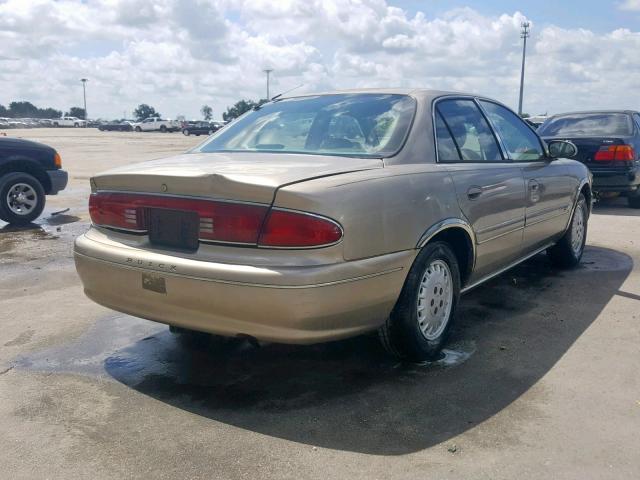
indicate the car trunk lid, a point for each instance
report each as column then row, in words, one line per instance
column 588, row 147
column 246, row 177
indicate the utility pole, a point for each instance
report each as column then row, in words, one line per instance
column 524, row 34
column 268, row 72
column 84, row 94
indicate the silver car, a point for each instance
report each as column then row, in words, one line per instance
column 319, row 217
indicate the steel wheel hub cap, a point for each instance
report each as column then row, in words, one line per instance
column 22, row 199
column 435, row 298
column 577, row 230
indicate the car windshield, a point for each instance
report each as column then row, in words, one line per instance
column 356, row 125
column 587, row 125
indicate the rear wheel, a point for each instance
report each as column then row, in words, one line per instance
column 185, row 132
column 568, row 251
column 163, row 128
column 22, row 198
column 138, row 129
column 421, row 320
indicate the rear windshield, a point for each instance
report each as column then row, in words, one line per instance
column 587, row 125
column 357, row 125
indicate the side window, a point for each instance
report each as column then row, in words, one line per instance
column 447, row 150
column 520, row 141
column 636, row 117
column 470, row 130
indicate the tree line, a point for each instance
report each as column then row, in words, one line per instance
column 29, row 110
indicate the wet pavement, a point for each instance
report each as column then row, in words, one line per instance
column 539, row 378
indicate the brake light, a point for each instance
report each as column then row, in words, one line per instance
column 618, row 153
column 289, row 229
column 219, row 221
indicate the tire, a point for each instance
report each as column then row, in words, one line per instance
column 402, row 334
column 569, row 249
column 633, row 201
column 138, row 129
column 185, row 132
column 56, row 124
column 163, row 128
column 210, row 132
column 25, row 211
column 76, row 125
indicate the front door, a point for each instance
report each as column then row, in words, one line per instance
column 549, row 190
column 489, row 188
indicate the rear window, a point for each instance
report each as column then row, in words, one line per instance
column 587, row 125
column 357, row 125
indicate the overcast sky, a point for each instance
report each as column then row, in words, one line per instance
column 180, row 54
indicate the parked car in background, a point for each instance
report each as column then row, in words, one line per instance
column 69, row 122
column 321, row 217
column 28, row 172
column 608, row 144
column 157, row 124
column 115, row 126
column 197, row 128
column 4, row 123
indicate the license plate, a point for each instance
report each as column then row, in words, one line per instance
column 174, row 228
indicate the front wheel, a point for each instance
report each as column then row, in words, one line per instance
column 421, row 320
column 185, row 132
column 22, row 198
column 569, row 249
column 138, row 129
column 163, row 128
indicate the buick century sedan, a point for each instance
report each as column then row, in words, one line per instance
column 319, row 217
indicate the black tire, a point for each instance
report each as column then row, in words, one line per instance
column 163, row 128
column 563, row 254
column 633, row 201
column 138, row 129
column 210, row 132
column 185, row 132
column 401, row 334
column 56, row 124
column 9, row 182
column 76, row 125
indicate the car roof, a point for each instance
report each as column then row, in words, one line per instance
column 422, row 92
column 587, row 112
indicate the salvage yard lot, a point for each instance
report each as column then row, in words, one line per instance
column 540, row 379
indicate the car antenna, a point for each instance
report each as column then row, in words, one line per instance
column 284, row 93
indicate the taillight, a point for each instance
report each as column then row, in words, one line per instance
column 57, row 160
column 617, row 153
column 219, row 221
column 288, row 229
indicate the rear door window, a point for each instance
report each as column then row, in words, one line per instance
column 520, row 141
column 447, row 149
column 471, row 132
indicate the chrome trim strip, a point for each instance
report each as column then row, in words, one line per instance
column 188, row 197
column 504, row 269
column 444, row 225
column 548, row 210
column 546, row 219
column 514, row 230
column 501, row 225
column 243, row 284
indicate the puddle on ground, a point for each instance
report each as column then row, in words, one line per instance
column 134, row 351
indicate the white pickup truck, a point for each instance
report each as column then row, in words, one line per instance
column 69, row 122
column 152, row 123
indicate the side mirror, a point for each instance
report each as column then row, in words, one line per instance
column 562, row 149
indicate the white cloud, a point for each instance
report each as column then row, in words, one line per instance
column 180, row 54
column 630, row 5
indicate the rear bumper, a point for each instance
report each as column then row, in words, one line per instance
column 299, row 305
column 58, row 180
column 616, row 181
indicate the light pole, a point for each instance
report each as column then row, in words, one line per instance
column 268, row 72
column 84, row 95
column 524, row 34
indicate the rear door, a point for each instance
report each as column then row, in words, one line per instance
column 489, row 188
column 549, row 188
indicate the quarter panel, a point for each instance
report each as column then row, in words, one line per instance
column 381, row 211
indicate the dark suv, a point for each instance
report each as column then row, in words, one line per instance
column 28, row 172
column 608, row 143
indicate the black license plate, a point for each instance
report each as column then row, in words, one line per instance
column 174, row 228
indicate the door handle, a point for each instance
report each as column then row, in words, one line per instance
column 474, row 192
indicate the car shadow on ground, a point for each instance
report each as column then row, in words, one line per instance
column 349, row 395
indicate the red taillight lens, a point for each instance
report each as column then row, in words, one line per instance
column 618, row 153
column 219, row 221
column 298, row 230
